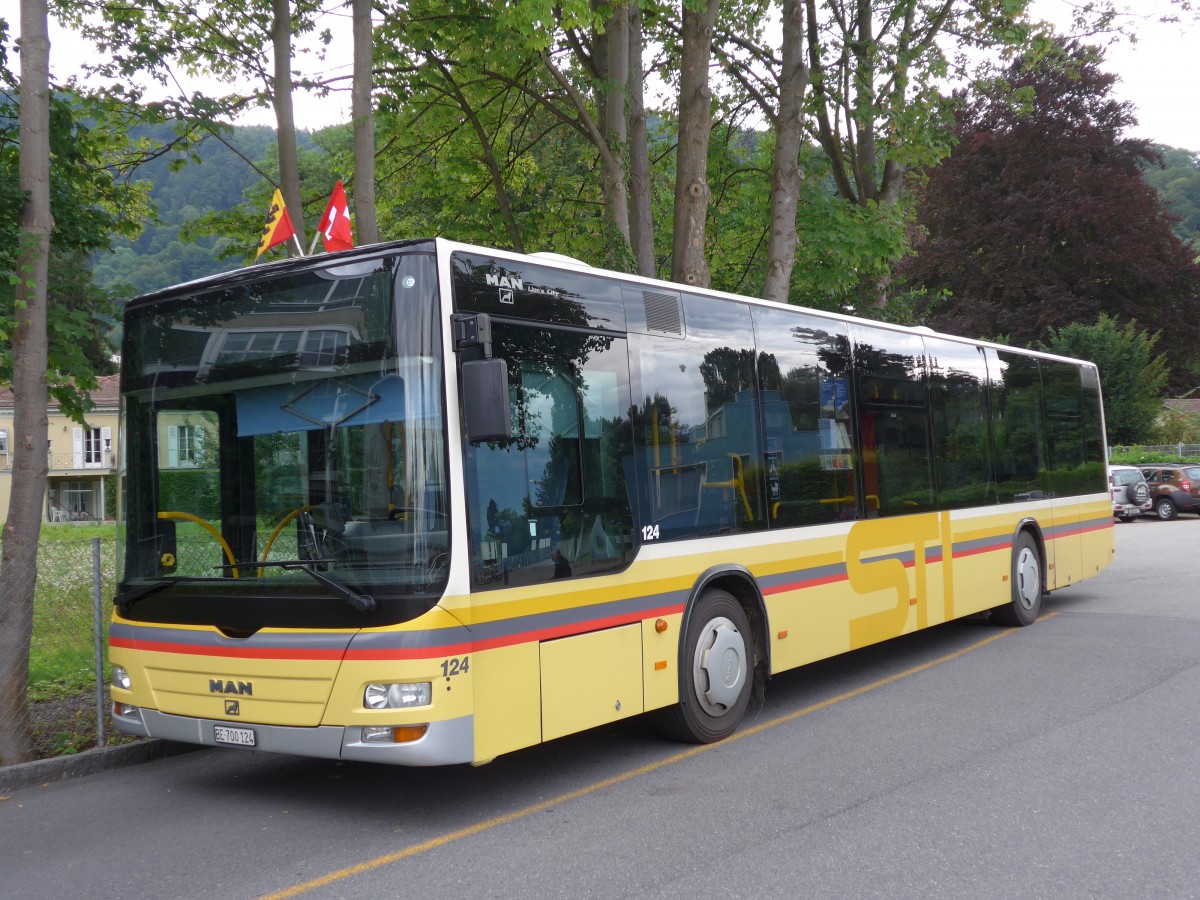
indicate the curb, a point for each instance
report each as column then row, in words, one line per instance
column 89, row 762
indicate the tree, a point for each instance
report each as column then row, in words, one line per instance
column 364, row 125
column 688, row 263
column 18, row 561
column 64, row 197
column 1133, row 377
column 1023, row 235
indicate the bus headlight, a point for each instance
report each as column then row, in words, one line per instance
column 398, row 696
column 120, row 678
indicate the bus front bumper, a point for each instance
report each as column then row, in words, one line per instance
column 444, row 743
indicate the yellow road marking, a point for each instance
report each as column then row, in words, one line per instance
column 487, row 825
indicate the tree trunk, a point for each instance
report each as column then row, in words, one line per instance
column 688, row 265
column 785, row 170
column 364, row 125
column 616, row 134
column 285, row 120
column 18, row 560
column 641, row 189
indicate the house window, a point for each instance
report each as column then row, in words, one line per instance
column 184, row 445
column 91, row 447
column 188, row 441
column 3, row 442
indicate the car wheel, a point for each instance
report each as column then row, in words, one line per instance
column 1164, row 509
column 1026, row 602
column 717, row 659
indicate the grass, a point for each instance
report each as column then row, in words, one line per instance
column 62, row 665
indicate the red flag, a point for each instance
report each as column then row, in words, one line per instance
column 279, row 225
column 335, row 224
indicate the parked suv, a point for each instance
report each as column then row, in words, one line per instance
column 1130, row 493
column 1173, row 488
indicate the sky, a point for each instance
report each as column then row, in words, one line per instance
column 1157, row 73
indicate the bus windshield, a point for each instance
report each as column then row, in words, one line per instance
column 284, row 461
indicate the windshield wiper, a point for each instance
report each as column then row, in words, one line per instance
column 133, row 595
column 364, row 603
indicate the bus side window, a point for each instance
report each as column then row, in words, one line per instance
column 808, row 428
column 893, row 419
column 958, row 398
column 695, row 421
column 1018, row 431
column 552, row 500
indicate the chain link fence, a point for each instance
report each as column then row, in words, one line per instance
column 68, row 658
column 1179, row 451
column 68, row 665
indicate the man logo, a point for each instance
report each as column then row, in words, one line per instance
column 233, row 708
column 505, row 281
column 218, row 686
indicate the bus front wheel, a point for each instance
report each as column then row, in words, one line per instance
column 1026, row 579
column 717, row 662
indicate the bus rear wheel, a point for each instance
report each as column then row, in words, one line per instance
column 1026, row 578
column 717, row 662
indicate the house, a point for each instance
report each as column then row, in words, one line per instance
column 82, row 458
column 1188, row 406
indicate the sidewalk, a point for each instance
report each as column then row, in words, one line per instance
column 89, row 762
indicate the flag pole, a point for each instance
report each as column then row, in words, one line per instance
column 313, row 247
column 299, row 247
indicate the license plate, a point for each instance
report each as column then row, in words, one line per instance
column 238, row 737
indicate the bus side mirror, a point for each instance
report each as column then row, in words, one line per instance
column 485, row 400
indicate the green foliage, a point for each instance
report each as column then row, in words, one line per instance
column 1133, row 378
column 91, row 204
column 1179, row 427
column 193, row 491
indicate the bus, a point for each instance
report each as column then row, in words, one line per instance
column 427, row 503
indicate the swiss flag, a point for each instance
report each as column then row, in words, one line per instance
column 335, row 224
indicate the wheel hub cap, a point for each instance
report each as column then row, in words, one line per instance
column 1029, row 578
column 720, row 667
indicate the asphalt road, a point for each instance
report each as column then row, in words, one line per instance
column 1060, row 760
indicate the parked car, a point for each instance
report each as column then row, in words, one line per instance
column 1130, row 493
column 1173, row 488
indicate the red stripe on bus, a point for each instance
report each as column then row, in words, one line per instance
column 230, row 652
column 801, row 585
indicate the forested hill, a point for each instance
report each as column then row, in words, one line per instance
column 184, row 193
column 1179, row 185
column 220, row 181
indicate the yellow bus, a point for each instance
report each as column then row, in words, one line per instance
column 425, row 503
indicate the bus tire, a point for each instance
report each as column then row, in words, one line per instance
column 1026, row 602
column 716, row 660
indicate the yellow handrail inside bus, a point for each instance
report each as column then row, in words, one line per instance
column 737, row 484
column 190, row 518
column 278, row 528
